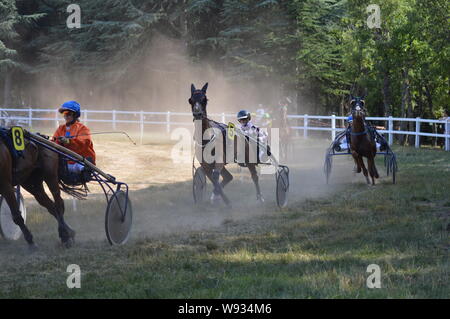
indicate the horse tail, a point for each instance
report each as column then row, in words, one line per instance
column 78, row 191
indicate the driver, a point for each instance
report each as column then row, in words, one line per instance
column 74, row 135
column 247, row 127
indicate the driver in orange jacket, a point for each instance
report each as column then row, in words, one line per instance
column 74, row 135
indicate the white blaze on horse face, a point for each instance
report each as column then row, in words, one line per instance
column 181, row 151
column 358, row 108
column 197, row 107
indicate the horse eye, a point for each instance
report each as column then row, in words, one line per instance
column 190, row 101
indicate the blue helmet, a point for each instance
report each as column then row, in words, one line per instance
column 73, row 106
column 350, row 119
column 243, row 114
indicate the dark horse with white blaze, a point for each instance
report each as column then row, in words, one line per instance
column 213, row 170
column 36, row 166
column 362, row 143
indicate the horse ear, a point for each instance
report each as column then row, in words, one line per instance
column 192, row 88
column 205, row 87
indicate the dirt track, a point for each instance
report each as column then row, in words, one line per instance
column 161, row 193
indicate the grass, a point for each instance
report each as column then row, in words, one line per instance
column 316, row 248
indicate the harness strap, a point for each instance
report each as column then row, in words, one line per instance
column 358, row 134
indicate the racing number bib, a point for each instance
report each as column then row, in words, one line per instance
column 17, row 137
column 230, row 131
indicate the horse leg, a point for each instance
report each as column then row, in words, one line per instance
column 255, row 178
column 213, row 175
column 372, row 169
column 217, row 186
column 357, row 168
column 9, row 195
column 364, row 169
column 36, row 188
column 53, row 185
column 227, row 177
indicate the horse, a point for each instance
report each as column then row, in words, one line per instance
column 213, row 170
column 36, row 166
column 362, row 143
column 282, row 123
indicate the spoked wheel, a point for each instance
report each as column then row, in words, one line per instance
column 327, row 167
column 199, row 185
column 282, row 178
column 8, row 228
column 118, row 218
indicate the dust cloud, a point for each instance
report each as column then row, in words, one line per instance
column 159, row 82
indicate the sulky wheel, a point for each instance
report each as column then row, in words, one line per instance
column 8, row 228
column 199, row 185
column 118, row 218
column 282, row 179
column 327, row 167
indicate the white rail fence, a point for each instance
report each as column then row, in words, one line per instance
column 29, row 115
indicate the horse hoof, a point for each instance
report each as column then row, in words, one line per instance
column 32, row 248
column 214, row 199
column 68, row 243
column 71, row 233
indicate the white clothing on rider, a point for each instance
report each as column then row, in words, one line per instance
column 252, row 131
column 75, row 168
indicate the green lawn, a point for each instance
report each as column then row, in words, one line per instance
column 316, row 248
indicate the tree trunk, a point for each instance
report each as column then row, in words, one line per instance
column 7, row 89
column 342, row 110
column 404, row 105
column 411, row 125
column 386, row 96
column 429, row 99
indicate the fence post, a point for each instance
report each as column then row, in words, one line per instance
column 333, row 127
column 391, row 129
column 168, row 122
column 114, row 119
column 30, row 117
column 305, row 125
column 447, row 132
column 142, row 125
column 223, row 117
column 56, row 119
column 417, row 132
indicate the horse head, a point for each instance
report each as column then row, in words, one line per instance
column 357, row 107
column 198, row 101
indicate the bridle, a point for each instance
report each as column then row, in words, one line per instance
column 358, row 108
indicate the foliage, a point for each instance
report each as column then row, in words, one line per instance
column 318, row 50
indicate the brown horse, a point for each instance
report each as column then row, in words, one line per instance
column 282, row 123
column 38, row 165
column 361, row 142
column 214, row 169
